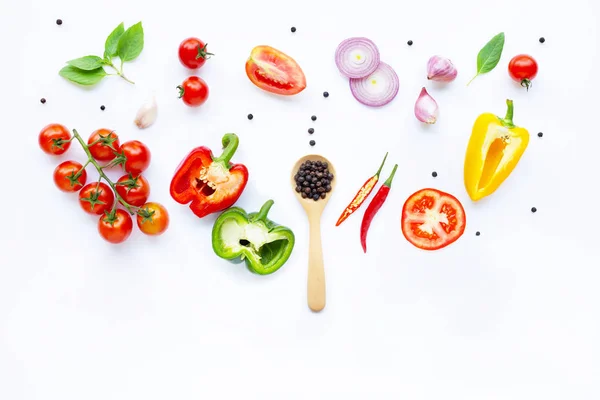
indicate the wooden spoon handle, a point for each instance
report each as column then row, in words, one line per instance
column 316, row 270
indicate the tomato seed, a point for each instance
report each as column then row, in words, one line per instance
column 533, row 209
column 542, row 40
column 312, row 142
column 102, row 107
column 434, row 174
column 410, row 43
column 314, row 117
column 311, row 130
column 325, row 94
column 59, row 22
column 250, row 116
column 540, row 134
column 43, row 100
column 293, row 29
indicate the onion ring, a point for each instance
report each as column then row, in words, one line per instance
column 377, row 89
column 357, row 57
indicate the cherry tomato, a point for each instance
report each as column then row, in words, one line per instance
column 432, row 219
column 153, row 219
column 193, row 91
column 192, row 53
column 523, row 68
column 134, row 190
column 115, row 227
column 136, row 157
column 274, row 71
column 54, row 138
column 105, row 149
column 96, row 198
column 68, row 178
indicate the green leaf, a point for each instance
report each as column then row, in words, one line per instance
column 87, row 63
column 489, row 55
column 82, row 77
column 131, row 42
column 112, row 41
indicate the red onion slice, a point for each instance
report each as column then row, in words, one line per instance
column 377, row 89
column 357, row 57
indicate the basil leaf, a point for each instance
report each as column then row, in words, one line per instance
column 112, row 41
column 86, row 63
column 489, row 55
column 131, row 42
column 82, row 77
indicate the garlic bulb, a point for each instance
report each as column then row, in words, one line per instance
column 426, row 108
column 441, row 69
column 146, row 115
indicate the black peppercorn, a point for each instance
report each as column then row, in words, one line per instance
column 314, row 117
column 542, row 40
column 477, row 233
column 533, row 209
column 43, row 100
column 312, row 142
column 293, row 29
column 304, row 195
column 250, row 116
column 540, row 134
column 410, row 42
column 298, row 189
column 307, row 190
column 102, row 108
column 59, row 21
column 325, row 94
column 434, row 174
column 311, row 130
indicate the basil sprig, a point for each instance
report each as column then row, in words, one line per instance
column 124, row 44
column 489, row 55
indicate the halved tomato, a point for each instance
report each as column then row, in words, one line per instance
column 432, row 219
column 274, row 71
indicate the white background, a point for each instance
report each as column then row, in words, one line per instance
column 511, row 314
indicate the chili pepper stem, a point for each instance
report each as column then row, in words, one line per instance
column 230, row 143
column 388, row 182
column 507, row 121
column 381, row 166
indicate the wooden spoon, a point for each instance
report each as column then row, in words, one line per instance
column 314, row 209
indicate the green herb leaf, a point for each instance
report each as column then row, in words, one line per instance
column 112, row 41
column 87, row 63
column 82, row 77
column 489, row 55
column 131, row 42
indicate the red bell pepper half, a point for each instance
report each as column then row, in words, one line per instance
column 210, row 184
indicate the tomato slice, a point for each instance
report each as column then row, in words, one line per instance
column 432, row 219
column 274, row 71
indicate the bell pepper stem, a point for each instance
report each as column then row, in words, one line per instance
column 388, row 182
column 264, row 210
column 381, row 167
column 230, row 144
column 507, row 121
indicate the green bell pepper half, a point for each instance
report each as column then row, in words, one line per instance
column 264, row 245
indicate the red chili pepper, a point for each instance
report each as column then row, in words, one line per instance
column 210, row 184
column 361, row 195
column 374, row 206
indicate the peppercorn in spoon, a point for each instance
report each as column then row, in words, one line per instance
column 313, row 181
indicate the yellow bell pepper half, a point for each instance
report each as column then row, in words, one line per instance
column 495, row 147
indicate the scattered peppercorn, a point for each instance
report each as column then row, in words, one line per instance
column 43, row 100
column 434, row 174
column 311, row 130
column 540, row 134
column 533, row 209
column 293, row 29
column 477, row 233
column 312, row 142
column 313, row 180
column 410, row 42
column 250, row 116
column 314, row 117
column 542, row 40
column 325, row 94
column 102, row 107
column 59, row 21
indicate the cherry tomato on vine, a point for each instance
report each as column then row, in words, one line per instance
column 67, row 176
column 135, row 157
column 115, row 227
column 96, row 198
column 153, row 219
column 54, row 139
column 134, row 190
column 523, row 68
column 193, row 91
column 192, row 53
column 107, row 144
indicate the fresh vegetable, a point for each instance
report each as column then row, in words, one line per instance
column 96, row 198
column 209, row 183
column 374, row 207
column 275, row 72
column 357, row 57
column 432, row 219
column 495, row 147
column 134, row 190
column 115, row 226
column 146, row 114
column 378, row 88
column 193, row 91
column 153, row 219
column 134, row 157
column 441, row 69
column 70, row 176
column 426, row 108
column 523, row 68
column 124, row 44
column 54, row 139
column 362, row 194
column 192, row 53
column 264, row 245
column 489, row 56
column 103, row 144
column 313, row 179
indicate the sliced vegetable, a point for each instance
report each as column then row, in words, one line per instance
column 432, row 219
column 357, row 57
column 377, row 89
column 275, row 71
column 361, row 195
column 264, row 245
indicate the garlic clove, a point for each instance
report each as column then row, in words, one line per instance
column 441, row 69
column 426, row 108
column 146, row 115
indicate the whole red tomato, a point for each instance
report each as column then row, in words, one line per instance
column 115, row 227
column 523, row 68
column 274, row 71
column 106, row 144
column 193, row 91
column 69, row 176
column 54, row 139
column 134, row 190
column 192, row 53
column 153, row 219
column 135, row 157
column 96, row 198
